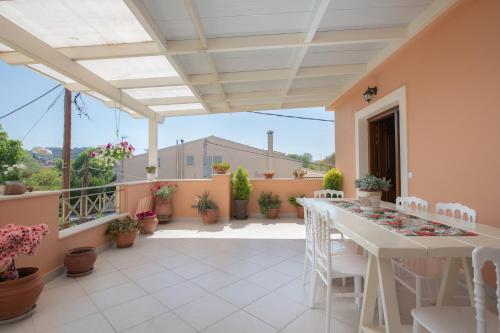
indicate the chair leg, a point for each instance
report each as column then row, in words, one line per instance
column 343, row 282
column 306, row 262
column 313, row 287
column 418, row 292
column 328, row 305
column 357, row 290
column 380, row 308
column 416, row 327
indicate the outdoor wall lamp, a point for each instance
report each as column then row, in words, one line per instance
column 369, row 93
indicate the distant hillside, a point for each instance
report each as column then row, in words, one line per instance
column 45, row 158
column 57, row 152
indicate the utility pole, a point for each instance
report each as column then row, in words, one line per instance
column 66, row 154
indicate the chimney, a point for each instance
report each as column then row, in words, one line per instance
column 270, row 150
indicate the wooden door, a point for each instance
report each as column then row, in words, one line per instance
column 384, row 150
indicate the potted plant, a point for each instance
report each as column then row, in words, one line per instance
column 268, row 174
column 299, row 173
column 148, row 222
column 19, row 287
column 332, row 180
column 300, row 210
column 370, row 190
column 151, row 172
column 163, row 202
column 123, row 231
column 221, row 168
column 80, row 261
column 241, row 188
column 207, row 208
column 269, row 204
column 12, row 175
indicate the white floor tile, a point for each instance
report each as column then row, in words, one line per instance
column 159, row 281
column 266, row 259
column 269, row 279
column 117, row 295
column 142, row 271
column 175, row 261
column 193, row 269
column 92, row 284
column 24, row 326
column 67, row 292
column 240, row 322
column 243, row 268
column 165, row 323
column 48, row 317
column 276, row 310
column 134, row 312
column 214, row 280
column 93, row 323
column 314, row 321
column 205, row 311
column 290, row 268
column 241, row 293
column 179, row 294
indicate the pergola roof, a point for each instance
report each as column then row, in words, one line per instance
column 156, row 58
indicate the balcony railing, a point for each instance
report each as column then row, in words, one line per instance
column 82, row 205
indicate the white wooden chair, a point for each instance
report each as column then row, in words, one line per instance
column 412, row 203
column 463, row 212
column 329, row 194
column 455, row 319
column 420, row 277
column 328, row 266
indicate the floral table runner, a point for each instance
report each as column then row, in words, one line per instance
column 402, row 223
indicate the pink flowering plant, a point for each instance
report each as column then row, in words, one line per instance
column 18, row 240
column 143, row 215
column 109, row 155
column 164, row 191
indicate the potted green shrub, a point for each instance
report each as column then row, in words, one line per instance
column 269, row 204
column 332, row 180
column 12, row 176
column 221, row 168
column 151, row 172
column 163, row 202
column 370, row 190
column 123, row 231
column 207, row 208
column 241, row 188
column 292, row 200
column 19, row 287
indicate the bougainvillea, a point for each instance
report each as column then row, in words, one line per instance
column 143, row 215
column 164, row 191
column 18, row 240
column 109, row 155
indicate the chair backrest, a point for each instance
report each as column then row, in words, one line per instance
column 465, row 213
column 480, row 256
column 308, row 220
column 329, row 194
column 413, row 203
column 322, row 240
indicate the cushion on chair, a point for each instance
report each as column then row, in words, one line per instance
column 452, row 319
column 349, row 264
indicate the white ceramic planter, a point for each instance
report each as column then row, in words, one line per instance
column 369, row 200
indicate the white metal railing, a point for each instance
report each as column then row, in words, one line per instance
column 82, row 205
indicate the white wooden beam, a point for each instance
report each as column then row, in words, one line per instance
column 134, row 83
column 21, row 40
column 160, row 101
column 216, row 45
column 142, row 14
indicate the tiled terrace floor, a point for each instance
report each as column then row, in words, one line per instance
column 187, row 277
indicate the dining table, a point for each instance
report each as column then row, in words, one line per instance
column 392, row 232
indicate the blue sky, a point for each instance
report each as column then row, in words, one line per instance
column 19, row 85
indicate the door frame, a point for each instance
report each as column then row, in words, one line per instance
column 361, row 132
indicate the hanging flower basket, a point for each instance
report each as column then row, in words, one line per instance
column 109, row 155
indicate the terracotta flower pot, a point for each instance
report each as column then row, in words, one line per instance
column 219, row 171
column 14, row 188
column 148, row 225
column 124, row 240
column 163, row 209
column 17, row 297
column 268, row 175
column 210, row 216
column 300, row 212
column 80, row 260
column 241, row 209
column 369, row 200
column 272, row 213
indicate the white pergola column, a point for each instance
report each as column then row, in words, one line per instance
column 153, row 147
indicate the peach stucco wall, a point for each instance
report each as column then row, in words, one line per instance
column 452, row 75
column 44, row 209
column 285, row 188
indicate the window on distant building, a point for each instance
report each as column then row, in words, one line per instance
column 190, row 160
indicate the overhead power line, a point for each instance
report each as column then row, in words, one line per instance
column 265, row 154
column 30, row 102
column 51, row 105
column 295, row 117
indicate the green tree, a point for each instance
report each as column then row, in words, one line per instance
column 241, row 184
column 45, row 179
column 11, row 151
column 332, row 180
column 306, row 158
column 98, row 175
column 32, row 165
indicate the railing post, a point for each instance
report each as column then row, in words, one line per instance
column 153, row 147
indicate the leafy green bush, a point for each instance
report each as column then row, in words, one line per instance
column 45, row 179
column 241, row 185
column 204, row 203
column 372, row 183
column 268, row 200
column 332, row 180
column 293, row 200
column 122, row 226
